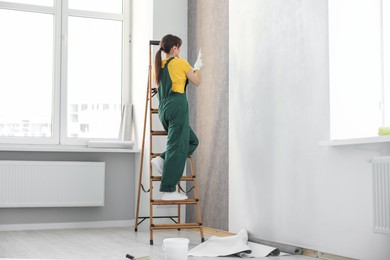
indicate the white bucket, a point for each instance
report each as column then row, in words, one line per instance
column 175, row 248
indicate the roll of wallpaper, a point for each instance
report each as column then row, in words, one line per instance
column 282, row 247
column 384, row 131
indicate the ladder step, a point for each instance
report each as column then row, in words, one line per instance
column 154, row 110
column 184, row 178
column 153, row 132
column 174, row 202
column 154, row 155
column 179, row 225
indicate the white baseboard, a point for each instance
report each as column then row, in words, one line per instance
column 68, row 225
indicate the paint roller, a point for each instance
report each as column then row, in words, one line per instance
column 294, row 250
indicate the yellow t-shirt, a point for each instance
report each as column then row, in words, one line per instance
column 177, row 69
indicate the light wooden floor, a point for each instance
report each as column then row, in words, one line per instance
column 97, row 243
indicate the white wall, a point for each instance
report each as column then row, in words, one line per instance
column 293, row 191
column 170, row 17
column 142, row 32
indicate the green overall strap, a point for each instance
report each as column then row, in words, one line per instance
column 165, row 86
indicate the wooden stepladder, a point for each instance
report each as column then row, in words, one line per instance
column 149, row 110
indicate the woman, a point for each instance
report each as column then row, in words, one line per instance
column 172, row 75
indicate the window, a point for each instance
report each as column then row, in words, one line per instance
column 63, row 65
column 359, row 59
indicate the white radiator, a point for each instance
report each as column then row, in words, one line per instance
column 51, row 184
column 381, row 193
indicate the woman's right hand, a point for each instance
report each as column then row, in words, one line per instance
column 199, row 63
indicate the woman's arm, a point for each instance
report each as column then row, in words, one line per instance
column 194, row 77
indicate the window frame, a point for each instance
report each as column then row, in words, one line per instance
column 61, row 12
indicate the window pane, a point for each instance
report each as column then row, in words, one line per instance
column 32, row 2
column 94, row 78
column 26, row 51
column 354, row 69
column 106, row 6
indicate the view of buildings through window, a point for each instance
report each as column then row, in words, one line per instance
column 62, row 69
column 81, row 122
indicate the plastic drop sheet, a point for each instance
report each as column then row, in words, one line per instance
column 237, row 245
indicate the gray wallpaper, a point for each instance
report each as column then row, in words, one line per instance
column 208, row 29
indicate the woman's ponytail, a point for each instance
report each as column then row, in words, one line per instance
column 157, row 66
column 167, row 42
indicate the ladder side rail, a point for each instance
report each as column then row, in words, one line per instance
column 150, row 146
column 141, row 159
column 196, row 196
column 148, row 101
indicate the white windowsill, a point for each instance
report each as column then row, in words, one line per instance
column 63, row 148
column 356, row 141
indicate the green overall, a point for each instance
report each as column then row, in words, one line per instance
column 182, row 141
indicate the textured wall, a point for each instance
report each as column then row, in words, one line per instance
column 208, row 28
